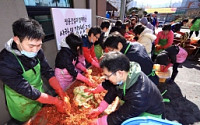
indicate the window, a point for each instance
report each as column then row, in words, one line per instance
column 40, row 11
column 49, row 3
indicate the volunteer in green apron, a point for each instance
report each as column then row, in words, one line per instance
column 22, row 63
column 134, row 51
column 159, row 46
column 126, row 80
column 164, row 40
column 195, row 26
column 98, row 45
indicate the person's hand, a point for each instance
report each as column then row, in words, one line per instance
column 96, row 64
column 89, row 83
column 56, row 86
column 162, row 67
column 85, row 80
column 86, row 71
column 98, row 89
column 93, row 122
column 67, row 104
column 90, row 91
column 94, row 113
column 165, row 70
column 60, row 106
column 81, row 67
column 61, row 93
column 158, row 47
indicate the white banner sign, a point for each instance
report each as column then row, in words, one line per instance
column 67, row 20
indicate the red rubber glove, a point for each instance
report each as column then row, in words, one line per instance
column 98, row 89
column 47, row 99
column 167, row 67
column 96, row 64
column 158, row 47
column 85, row 80
column 100, row 121
column 96, row 112
column 162, row 67
column 94, row 122
column 56, row 86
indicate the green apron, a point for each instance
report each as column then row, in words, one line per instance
column 161, row 42
column 20, row 107
column 195, row 26
column 98, row 51
column 149, row 114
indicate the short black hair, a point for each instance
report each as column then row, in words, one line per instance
column 162, row 58
column 156, row 12
column 138, row 29
column 133, row 18
column 113, row 40
column 115, row 61
column 94, row 30
column 114, row 29
column 136, row 17
column 74, row 41
column 121, row 30
column 118, row 23
column 27, row 28
column 105, row 24
column 167, row 27
column 128, row 21
column 145, row 13
column 185, row 20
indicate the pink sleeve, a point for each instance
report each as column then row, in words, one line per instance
column 102, row 106
column 167, row 67
column 102, row 120
column 170, row 40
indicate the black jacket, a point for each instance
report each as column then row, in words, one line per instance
column 64, row 59
column 142, row 96
column 172, row 51
column 11, row 71
column 137, row 53
column 177, row 26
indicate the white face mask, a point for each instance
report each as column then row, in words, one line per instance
column 120, row 83
column 28, row 54
column 92, row 41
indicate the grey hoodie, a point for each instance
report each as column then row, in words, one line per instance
column 145, row 22
column 8, row 47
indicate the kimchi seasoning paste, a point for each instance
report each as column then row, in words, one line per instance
column 49, row 115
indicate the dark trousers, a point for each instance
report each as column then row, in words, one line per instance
column 175, row 71
column 153, row 57
column 196, row 32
